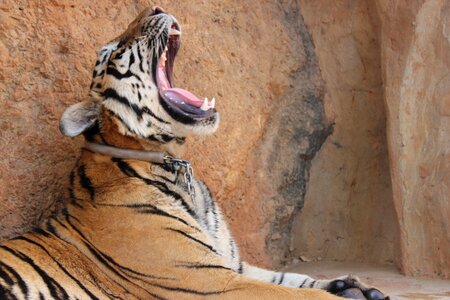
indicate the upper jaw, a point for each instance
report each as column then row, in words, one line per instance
column 175, row 99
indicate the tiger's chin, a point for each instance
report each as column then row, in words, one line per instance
column 193, row 115
column 206, row 126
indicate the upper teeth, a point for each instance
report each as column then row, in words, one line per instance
column 205, row 105
column 208, row 105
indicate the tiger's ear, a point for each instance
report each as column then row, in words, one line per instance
column 79, row 117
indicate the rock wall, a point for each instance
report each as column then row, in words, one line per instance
column 283, row 72
column 348, row 213
column 416, row 76
column 385, row 63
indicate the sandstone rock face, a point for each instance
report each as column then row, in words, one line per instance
column 381, row 60
column 282, row 72
column 348, row 213
column 416, row 76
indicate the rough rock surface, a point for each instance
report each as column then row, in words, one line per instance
column 416, row 73
column 381, row 60
column 348, row 213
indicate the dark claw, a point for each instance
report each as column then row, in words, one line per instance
column 339, row 285
column 350, row 288
column 353, row 293
column 374, row 294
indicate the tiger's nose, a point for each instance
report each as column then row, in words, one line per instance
column 158, row 10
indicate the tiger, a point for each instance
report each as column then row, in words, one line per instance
column 139, row 224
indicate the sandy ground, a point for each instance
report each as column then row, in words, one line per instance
column 388, row 279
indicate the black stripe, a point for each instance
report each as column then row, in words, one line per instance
column 311, row 283
column 180, row 117
column 161, row 186
column 121, row 120
column 105, row 56
column 233, row 250
column 146, row 208
column 92, row 131
column 112, row 261
column 281, row 278
column 56, row 290
column 132, row 60
column 111, row 69
column 173, row 181
column 72, row 181
column 85, row 181
column 75, row 201
column 214, row 212
column 101, row 259
column 211, row 207
column 167, row 138
column 65, row 212
column 152, row 137
column 241, row 268
column 6, row 294
column 41, row 231
column 5, row 276
column 303, row 282
column 190, row 291
column 141, row 59
column 149, row 112
column 200, row 266
column 164, row 214
column 52, row 229
column 166, row 167
column 274, row 278
column 22, row 285
column 110, row 93
column 193, row 239
column 92, row 296
column 68, row 216
column 114, row 72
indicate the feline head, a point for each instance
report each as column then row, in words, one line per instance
column 133, row 84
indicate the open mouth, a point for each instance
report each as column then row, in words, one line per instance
column 179, row 100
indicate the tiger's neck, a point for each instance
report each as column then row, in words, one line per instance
column 108, row 133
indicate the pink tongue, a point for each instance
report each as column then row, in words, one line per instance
column 179, row 95
column 176, row 95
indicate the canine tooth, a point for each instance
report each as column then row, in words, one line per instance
column 173, row 31
column 212, row 103
column 205, row 105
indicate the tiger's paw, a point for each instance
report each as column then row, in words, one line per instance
column 351, row 287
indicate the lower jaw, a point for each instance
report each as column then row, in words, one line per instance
column 182, row 116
